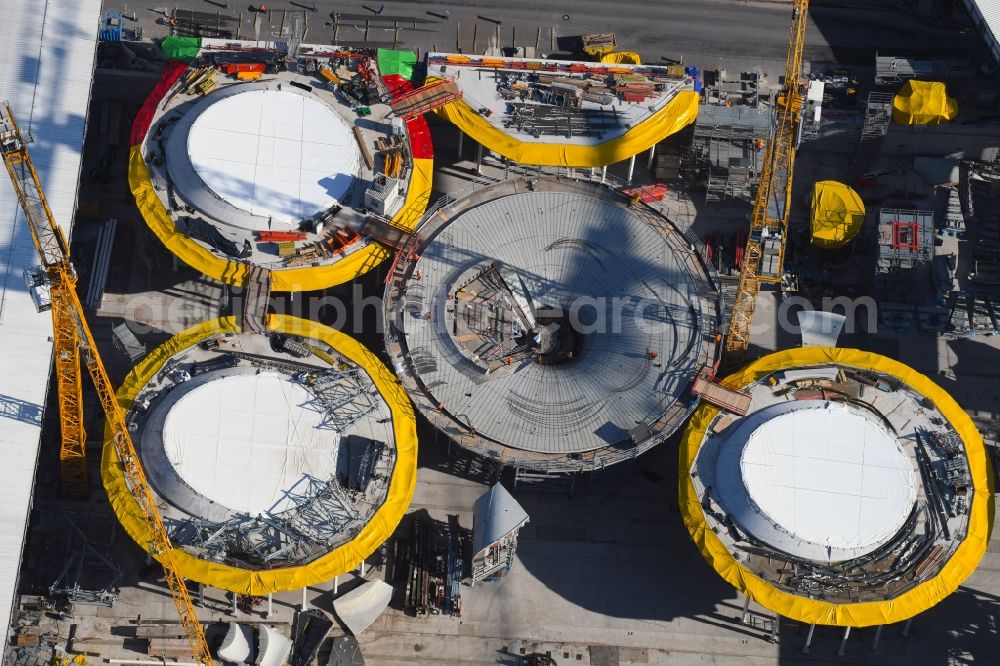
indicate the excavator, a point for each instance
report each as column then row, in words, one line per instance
column 74, row 349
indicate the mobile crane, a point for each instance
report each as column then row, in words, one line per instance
column 763, row 258
column 73, row 344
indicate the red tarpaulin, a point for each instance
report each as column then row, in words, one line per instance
column 171, row 72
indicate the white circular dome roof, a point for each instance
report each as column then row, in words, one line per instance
column 818, row 480
column 273, row 153
column 244, row 441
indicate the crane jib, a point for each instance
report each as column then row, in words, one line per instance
column 73, row 343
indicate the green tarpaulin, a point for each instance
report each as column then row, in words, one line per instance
column 181, row 48
column 396, row 62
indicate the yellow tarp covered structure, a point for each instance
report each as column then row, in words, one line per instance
column 923, row 103
column 234, row 272
column 622, row 58
column 674, row 116
column 814, row 611
column 837, row 214
column 338, row 561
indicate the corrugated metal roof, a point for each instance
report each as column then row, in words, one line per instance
column 46, row 69
column 987, row 11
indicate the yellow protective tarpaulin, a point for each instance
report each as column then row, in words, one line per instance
column 923, row 103
column 342, row 559
column 837, row 214
column 622, row 58
column 674, row 116
column 813, row 611
column 234, row 272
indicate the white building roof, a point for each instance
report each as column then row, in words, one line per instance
column 816, row 479
column 237, row 646
column 244, row 441
column 46, row 69
column 273, row 153
column 361, row 606
column 496, row 514
column 820, row 329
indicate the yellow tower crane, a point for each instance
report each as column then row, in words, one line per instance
column 73, row 343
column 763, row 259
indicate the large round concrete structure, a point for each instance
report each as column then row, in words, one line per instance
column 853, row 491
column 546, row 324
column 282, row 459
column 245, row 164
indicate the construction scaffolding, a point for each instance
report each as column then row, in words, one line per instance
column 906, row 249
column 893, row 70
column 89, row 575
column 729, row 142
column 878, row 113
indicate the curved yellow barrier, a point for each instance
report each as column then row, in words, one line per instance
column 338, row 561
column 674, row 116
column 291, row 279
column 812, row 611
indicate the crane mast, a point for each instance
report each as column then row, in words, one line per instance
column 74, row 347
column 763, row 259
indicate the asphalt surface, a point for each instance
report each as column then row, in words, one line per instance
column 707, row 33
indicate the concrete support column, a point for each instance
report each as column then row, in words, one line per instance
column 809, row 639
column 652, row 157
column 236, row 608
column 305, row 601
column 362, row 568
column 604, row 173
column 592, row 173
column 774, row 629
column 631, row 168
column 479, row 159
column 336, row 581
column 745, row 615
column 843, row 644
column 461, row 136
column 270, row 604
column 201, row 594
column 878, row 637
column 906, row 627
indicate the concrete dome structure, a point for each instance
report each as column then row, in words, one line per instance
column 247, row 161
column 853, row 492
column 282, row 459
column 546, row 324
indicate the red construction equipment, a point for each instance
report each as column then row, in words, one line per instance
column 341, row 239
column 280, row 236
column 647, row 193
column 237, row 67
